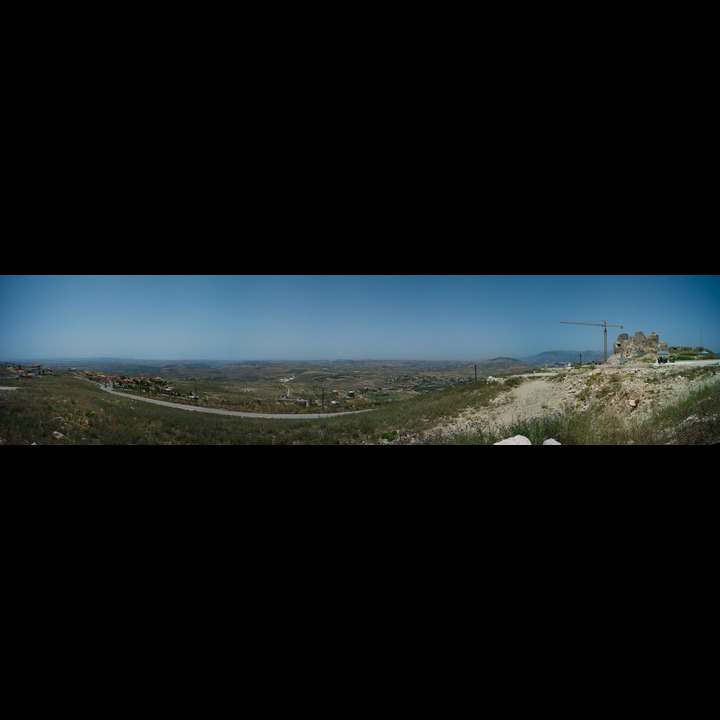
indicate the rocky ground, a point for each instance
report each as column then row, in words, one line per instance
column 622, row 390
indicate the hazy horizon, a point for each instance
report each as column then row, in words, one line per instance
column 64, row 358
column 286, row 318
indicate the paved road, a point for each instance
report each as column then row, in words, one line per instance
column 644, row 366
column 694, row 362
column 236, row 413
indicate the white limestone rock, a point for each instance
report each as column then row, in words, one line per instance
column 515, row 440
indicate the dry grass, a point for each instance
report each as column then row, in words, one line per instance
column 85, row 415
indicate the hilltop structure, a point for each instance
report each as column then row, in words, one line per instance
column 626, row 347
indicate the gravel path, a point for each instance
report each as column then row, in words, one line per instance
column 535, row 397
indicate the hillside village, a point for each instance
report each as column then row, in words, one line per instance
column 26, row 371
column 161, row 386
column 291, row 393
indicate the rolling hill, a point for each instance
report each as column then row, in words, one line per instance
column 564, row 356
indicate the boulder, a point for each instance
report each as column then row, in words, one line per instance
column 522, row 440
column 515, row 440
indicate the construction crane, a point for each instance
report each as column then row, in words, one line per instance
column 603, row 324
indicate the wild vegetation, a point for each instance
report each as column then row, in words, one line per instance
column 694, row 420
column 63, row 403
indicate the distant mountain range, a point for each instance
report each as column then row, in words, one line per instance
column 572, row 356
column 503, row 365
column 132, row 366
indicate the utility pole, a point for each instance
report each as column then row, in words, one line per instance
column 603, row 324
column 476, row 373
column 322, row 391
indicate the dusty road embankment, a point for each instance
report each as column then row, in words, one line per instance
column 621, row 390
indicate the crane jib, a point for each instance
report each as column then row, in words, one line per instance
column 604, row 324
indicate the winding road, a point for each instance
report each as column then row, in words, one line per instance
column 235, row 413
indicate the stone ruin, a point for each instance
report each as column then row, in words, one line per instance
column 626, row 347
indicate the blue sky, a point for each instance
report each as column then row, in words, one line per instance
column 324, row 317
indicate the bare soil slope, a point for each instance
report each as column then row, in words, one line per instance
column 622, row 390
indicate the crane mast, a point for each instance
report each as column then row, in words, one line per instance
column 604, row 324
